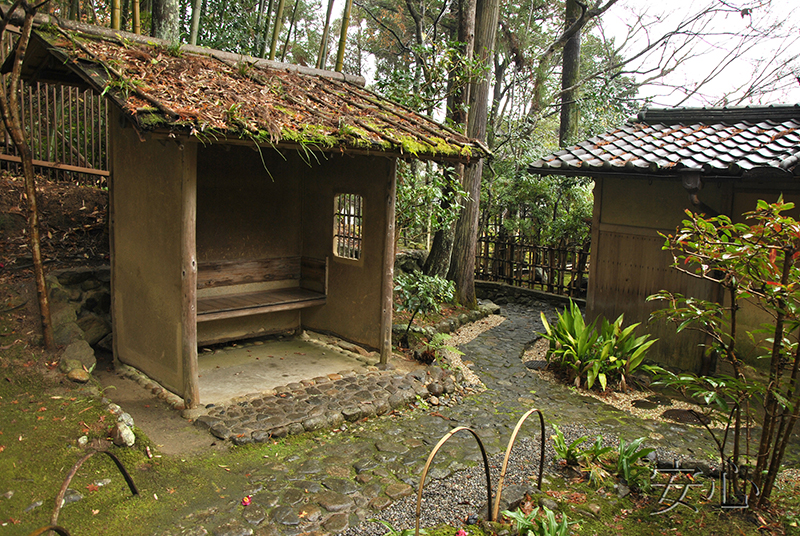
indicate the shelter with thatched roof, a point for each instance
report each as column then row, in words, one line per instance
column 247, row 197
column 647, row 173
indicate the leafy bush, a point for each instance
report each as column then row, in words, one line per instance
column 569, row 453
column 757, row 262
column 589, row 459
column 420, row 293
column 608, row 354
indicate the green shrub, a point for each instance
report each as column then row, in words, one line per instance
column 627, row 468
column 420, row 293
column 588, row 355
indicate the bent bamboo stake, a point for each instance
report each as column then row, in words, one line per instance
column 65, row 485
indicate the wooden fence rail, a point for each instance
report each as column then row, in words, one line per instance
column 511, row 260
column 67, row 130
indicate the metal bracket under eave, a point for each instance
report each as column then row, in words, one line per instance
column 693, row 183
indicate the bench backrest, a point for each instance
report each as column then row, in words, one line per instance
column 310, row 273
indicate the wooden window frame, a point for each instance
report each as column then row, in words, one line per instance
column 348, row 226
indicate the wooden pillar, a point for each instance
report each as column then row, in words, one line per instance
column 387, row 286
column 191, row 391
column 591, row 304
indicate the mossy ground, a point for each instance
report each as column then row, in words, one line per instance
column 42, row 416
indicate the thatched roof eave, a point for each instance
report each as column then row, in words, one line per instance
column 211, row 97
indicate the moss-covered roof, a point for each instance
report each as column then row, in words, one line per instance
column 213, row 95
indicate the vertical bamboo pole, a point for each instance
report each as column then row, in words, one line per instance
column 62, row 126
column 40, row 115
column 86, row 129
column 276, row 30
column 343, row 35
column 323, row 46
column 137, row 20
column 116, row 15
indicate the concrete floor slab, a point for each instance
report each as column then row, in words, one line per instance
column 229, row 372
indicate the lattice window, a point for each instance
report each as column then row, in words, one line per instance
column 348, row 226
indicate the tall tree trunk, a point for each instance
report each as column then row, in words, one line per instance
column 166, row 23
column 570, row 76
column 462, row 266
column 124, row 18
column 343, row 35
column 197, row 8
column 9, row 107
column 322, row 58
column 438, row 261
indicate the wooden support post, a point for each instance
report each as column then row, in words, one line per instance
column 191, row 390
column 591, row 303
column 387, row 286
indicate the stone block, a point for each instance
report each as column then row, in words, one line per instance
column 122, row 435
column 62, row 313
column 74, row 276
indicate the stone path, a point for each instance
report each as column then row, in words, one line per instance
column 344, row 480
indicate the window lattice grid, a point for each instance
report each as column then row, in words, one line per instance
column 348, row 233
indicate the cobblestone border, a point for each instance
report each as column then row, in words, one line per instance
column 154, row 387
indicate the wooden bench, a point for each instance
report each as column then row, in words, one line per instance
column 231, row 289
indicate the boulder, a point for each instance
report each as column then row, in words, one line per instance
column 94, row 328
column 65, row 365
column 66, row 334
column 410, row 261
column 82, row 352
column 61, row 313
column 73, row 276
column 107, row 343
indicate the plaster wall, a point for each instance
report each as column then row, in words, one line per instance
column 247, row 209
column 147, row 226
column 653, row 204
column 354, row 304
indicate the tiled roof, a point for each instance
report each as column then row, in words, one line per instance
column 716, row 142
column 216, row 96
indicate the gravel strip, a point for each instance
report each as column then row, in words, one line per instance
column 464, row 335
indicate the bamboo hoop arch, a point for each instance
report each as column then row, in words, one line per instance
column 441, row 442
column 520, row 422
